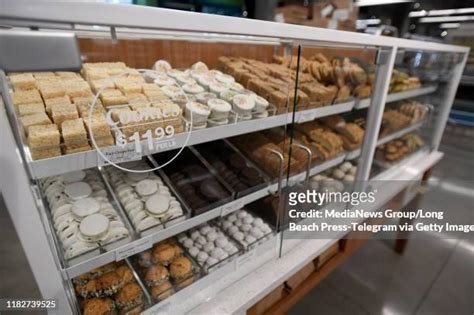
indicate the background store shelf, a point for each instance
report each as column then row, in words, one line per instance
column 84, row 160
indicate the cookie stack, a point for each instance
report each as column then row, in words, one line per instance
column 108, row 289
column 209, row 246
column 324, row 143
column 246, row 228
column 165, row 268
column 144, row 196
column 82, row 214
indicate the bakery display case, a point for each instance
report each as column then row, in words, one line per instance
column 152, row 149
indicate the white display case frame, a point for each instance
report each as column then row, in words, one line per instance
column 210, row 295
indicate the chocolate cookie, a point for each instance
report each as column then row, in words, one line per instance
column 212, row 190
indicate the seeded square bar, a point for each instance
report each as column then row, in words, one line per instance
column 29, row 109
column 63, row 100
column 74, row 132
column 24, row 81
column 34, row 120
column 150, row 87
column 52, row 91
column 67, row 75
column 26, row 97
column 128, row 86
column 78, row 89
column 43, row 137
column 114, row 100
column 62, row 112
column 106, row 84
column 104, row 141
column 99, row 126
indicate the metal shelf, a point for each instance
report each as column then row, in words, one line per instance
column 399, row 133
column 352, row 155
column 393, row 97
column 84, row 160
column 147, row 241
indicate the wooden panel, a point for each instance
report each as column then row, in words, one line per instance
column 181, row 54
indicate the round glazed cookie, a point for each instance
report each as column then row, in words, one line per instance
column 236, row 87
column 195, row 235
column 200, row 66
column 225, row 78
column 95, row 226
column 172, row 91
column 196, row 112
column 202, row 256
column 214, row 72
column 164, row 80
column 193, row 88
column 261, row 104
column 222, row 242
column 212, row 236
column 146, row 187
column 193, row 251
column 211, row 261
column 228, row 95
column 205, row 97
column 218, row 87
column 243, row 104
column 196, row 74
column 185, row 79
column 345, row 167
column 219, row 109
column 136, row 177
column 84, row 207
column 206, row 81
column 174, row 73
column 238, row 236
column 157, row 204
column 208, row 247
column 72, row 177
column 161, row 66
column 188, row 243
column 78, row 190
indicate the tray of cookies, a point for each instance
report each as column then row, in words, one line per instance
column 208, row 97
column 200, row 188
column 395, row 151
column 232, row 166
column 149, row 201
column 110, row 289
column 245, row 228
column 85, row 217
column 210, row 246
column 165, row 269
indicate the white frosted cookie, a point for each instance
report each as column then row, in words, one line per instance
column 157, row 204
column 206, row 80
column 174, row 73
column 78, row 190
column 84, row 207
column 196, row 112
column 161, row 66
column 136, row 177
column 164, row 80
column 236, row 86
column 200, row 66
column 94, row 226
column 261, row 104
column 225, row 78
column 193, row 88
column 185, row 79
column 218, row 87
column 146, row 187
column 243, row 104
column 72, row 177
column 172, row 91
column 228, row 95
column 220, row 109
column 204, row 97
